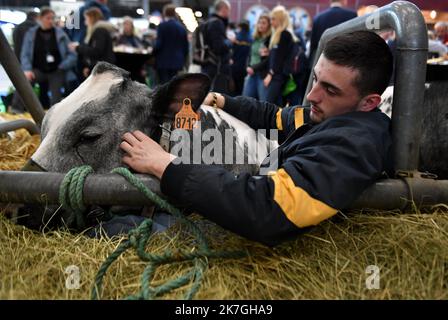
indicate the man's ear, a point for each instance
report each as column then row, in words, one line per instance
column 369, row 102
column 168, row 97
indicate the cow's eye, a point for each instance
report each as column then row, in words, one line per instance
column 88, row 137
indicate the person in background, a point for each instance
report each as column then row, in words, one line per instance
column 46, row 57
column 241, row 51
column 128, row 37
column 171, row 49
column 80, row 32
column 281, row 43
column 435, row 46
column 441, row 31
column 17, row 37
column 97, row 44
column 259, row 63
column 331, row 17
column 216, row 38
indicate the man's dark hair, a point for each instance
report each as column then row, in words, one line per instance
column 45, row 10
column 169, row 10
column 366, row 52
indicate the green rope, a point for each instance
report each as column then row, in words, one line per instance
column 70, row 197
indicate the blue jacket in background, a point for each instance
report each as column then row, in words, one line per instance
column 328, row 19
column 68, row 58
column 171, row 47
column 78, row 34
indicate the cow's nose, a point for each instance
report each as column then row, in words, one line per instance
column 32, row 166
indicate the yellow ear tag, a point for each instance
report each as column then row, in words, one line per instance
column 186, row 118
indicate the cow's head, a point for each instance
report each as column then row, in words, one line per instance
column 87, row 126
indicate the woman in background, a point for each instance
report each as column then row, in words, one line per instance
column 259, row 63
column 128, row 37
column 97, row 44
column 281, row 44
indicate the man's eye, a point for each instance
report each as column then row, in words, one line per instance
column 331, row 92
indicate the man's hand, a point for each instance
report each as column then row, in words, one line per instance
column 144, row 155
column 267, row 80
column 249, row 71
column 30, row 75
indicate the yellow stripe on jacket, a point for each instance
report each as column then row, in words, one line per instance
column 298, row 118
column 299, row 207
column 278, row 121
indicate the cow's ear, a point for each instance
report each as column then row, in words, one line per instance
column 168, row 97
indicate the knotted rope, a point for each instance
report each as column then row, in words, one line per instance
column 71, row 198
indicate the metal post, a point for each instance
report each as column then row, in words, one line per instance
column 410, row 70
column 19, row 124
column 12, row 67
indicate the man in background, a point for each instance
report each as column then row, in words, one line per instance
column 329, row 18
column 171, row 49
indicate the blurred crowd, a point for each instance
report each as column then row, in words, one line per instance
column 271, row 62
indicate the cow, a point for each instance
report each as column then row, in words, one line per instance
column 86, row 128
column 434, row 137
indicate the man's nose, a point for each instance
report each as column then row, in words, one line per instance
column 313, row 96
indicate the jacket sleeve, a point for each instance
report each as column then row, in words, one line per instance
column 70, row 58
column 281, row 53
column 219, row 43
column 97, row 45
column 26, row 55
column 266, row 115
column 324, row 174
column 159, row 39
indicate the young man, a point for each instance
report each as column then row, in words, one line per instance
column 329, row 153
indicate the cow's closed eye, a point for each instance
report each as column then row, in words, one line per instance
column 88, row 137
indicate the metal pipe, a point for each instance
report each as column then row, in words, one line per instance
column 112, row 189
column 100, row 189
column 19, row 124
column 12, row 67
column 410, row 70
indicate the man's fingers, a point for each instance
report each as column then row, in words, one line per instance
column 127, row 160
column 130, row 138
column 140, row 135
column 126, row 147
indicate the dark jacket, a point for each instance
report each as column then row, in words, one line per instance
column 171, row 47
column 280, row 52
column 99, row 47
column 19, row 34
column 321, row 168
column 216, row 38
column 325, row 20
column 79, row 33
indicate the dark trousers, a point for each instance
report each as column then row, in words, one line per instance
column 166, row 75
column 55, row 80
column 275, row 88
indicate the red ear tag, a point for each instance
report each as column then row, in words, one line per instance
column 186, row 118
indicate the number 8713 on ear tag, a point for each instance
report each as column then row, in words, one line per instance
column 186, row 118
